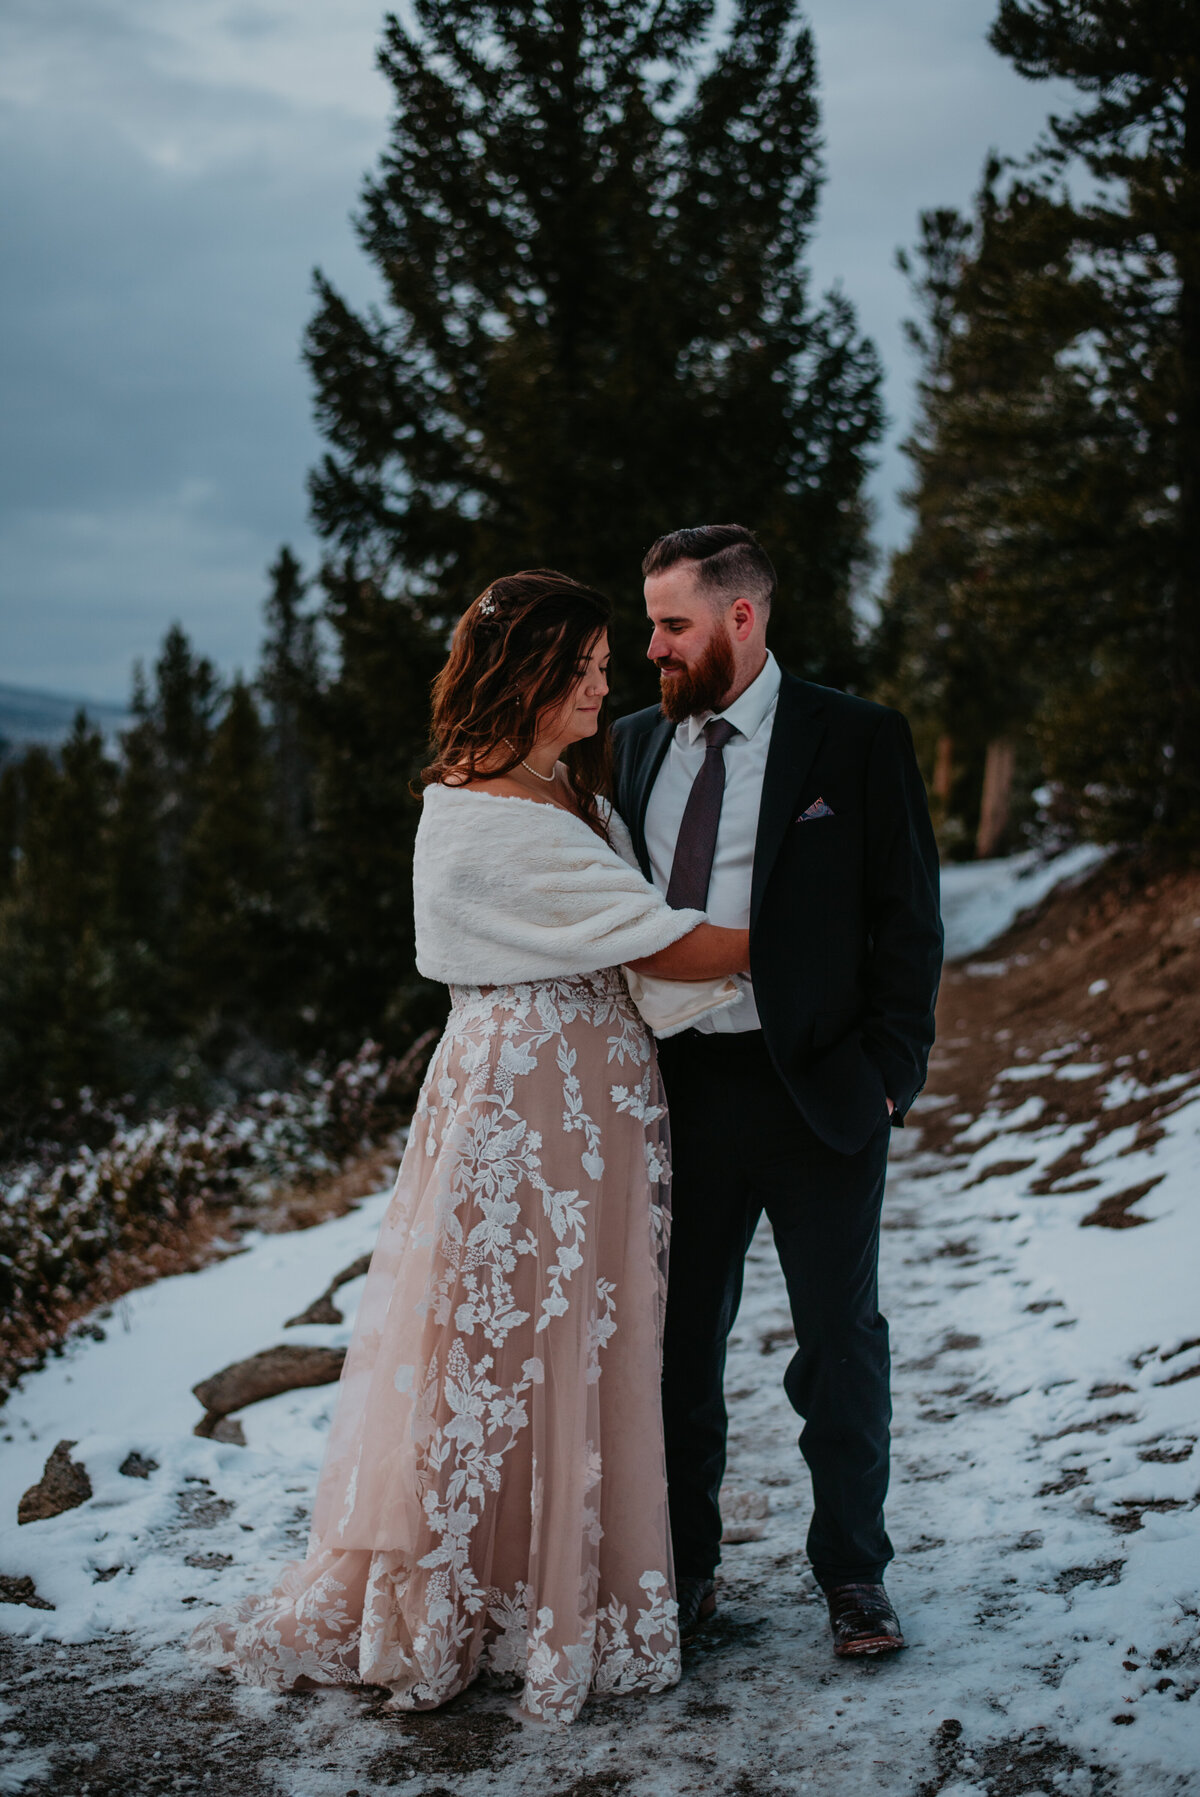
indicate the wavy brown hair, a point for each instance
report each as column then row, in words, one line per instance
column 518, row 650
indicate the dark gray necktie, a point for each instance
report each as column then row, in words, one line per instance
column 691, row 869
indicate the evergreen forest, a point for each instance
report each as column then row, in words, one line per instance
column 1042, row 625
column 591, row 226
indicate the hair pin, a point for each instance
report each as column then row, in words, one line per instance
column 487, row 604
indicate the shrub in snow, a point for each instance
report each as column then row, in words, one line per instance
column 58, row 1220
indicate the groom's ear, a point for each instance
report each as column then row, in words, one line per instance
column 743, row 615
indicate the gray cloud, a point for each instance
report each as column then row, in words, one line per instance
column 168, row 199
column 913, row 100
column 173, row 176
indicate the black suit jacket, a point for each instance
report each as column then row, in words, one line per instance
column 845, row 933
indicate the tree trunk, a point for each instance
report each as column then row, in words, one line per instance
column 943, row 772
column 996, row 802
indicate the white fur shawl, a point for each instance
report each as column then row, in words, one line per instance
column 507, row 890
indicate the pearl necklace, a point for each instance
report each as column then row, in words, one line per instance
column 547, row 778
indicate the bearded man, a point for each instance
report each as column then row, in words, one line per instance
column 797, row 812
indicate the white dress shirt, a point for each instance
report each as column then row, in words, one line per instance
column 752, row 716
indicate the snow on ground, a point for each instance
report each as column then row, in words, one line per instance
column 980, row 899
column 1043, row 1510
column 131, row 1394
column 1044, row 1502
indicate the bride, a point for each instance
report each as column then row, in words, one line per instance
column 493, row 1492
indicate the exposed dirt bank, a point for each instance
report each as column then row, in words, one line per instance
column 1109, row 969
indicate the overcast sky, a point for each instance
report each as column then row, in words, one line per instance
column 172, row 174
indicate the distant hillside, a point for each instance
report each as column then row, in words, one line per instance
column 27, row 716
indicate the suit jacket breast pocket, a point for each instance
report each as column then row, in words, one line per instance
column 826, row 852
column 816, row 833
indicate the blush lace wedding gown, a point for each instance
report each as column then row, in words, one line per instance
column 493, row 1494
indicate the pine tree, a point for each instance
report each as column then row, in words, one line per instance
column 597, row 324
column 137, row 920
column 234, row 951
column 161, row 768
column 1051, row 464
column 1138, row 136
column 180, row 721
column 186, row 698
column 57, row 1025
column 10, row 825
column 288, row 682
column 925, row 652
column 969, row 635
column 373, row 741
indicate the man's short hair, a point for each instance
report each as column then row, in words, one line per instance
column 730, row 561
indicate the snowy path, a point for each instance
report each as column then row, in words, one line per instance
column 1044, row 1505
column 1048, row 1567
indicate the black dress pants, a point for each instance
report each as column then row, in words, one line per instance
column 739, row 1147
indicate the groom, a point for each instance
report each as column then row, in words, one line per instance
column 800, row 812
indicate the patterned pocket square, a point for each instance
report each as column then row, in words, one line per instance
column 818, row 808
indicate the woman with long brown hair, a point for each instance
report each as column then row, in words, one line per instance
column 493, row 1493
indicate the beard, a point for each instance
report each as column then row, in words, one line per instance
column 701, row 687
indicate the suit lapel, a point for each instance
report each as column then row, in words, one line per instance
column 645, row 773
column 795, row 739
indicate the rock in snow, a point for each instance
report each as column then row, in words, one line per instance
column 323, row 1309
column 64, row 1485
column 21, row 1591
column 288, row 1367
column 134, row 1467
